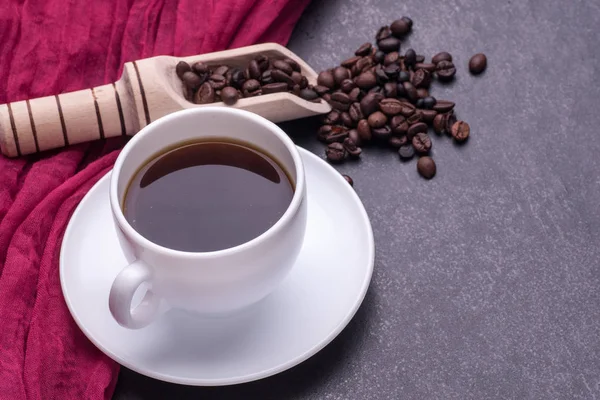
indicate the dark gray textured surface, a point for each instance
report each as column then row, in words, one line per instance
column 487, row 278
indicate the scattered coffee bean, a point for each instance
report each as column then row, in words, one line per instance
column 335, row 152
column 422, row 143
column 443, row 106
column 349, row 180
column 364, row 131
column 377, row 119
column 382, row 96
column 443, row 56
column 406, row 152
column 426, row 167
column 477, row 63
column 351, row 148
column 429, row 102
column 445, row 71
column 460, row 131
column 401, row 27
column 229, row 95
column 364, row 49
column 389, row 44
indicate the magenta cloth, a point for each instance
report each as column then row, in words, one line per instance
column 54, row 46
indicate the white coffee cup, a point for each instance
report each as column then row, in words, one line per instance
column 213, row 282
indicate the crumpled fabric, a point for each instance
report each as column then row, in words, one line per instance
column 53, row 46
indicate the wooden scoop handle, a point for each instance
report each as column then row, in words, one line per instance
column 65, row 119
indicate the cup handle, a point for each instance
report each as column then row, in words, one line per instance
column 121, row 296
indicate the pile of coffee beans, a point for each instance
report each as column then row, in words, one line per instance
column 381, row 96
column 204, row 84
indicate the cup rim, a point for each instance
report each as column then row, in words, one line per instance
column 281, row 223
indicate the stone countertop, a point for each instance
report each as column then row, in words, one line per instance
column 487, row 278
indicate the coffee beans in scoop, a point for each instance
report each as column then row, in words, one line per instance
column 381, row 96
column 204, row 84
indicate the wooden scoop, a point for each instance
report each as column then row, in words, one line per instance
column 147, row 90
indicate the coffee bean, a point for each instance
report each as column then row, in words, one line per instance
column 410, row 58
column 355, row 94
column 347, row 85
column 364, row 49
column 221, row 70
column 450, row 120
column 392, row 71
column 477, row 63
column 200, row 68
column 383, row 33
column 218, row 82
column 254, row 70
column 382, row 134
column 426, row 167
column 306, row 93
column 332, row 118
column 321, row 90
column 443, row 106
column 325, row 78
column 390, row 106
column 370, row 103
column 445, row 71
column 406, row 152
column 379, row 57
column 403, row 76
column 229, row 95
column 251, row 88
column 205, row 95
column 263, row 62
column 391, row 58
column 429, row 102
column 192, row 80
column 390, row 90
column 364, row 131
column 283, row 66
column 377, row 119
column 339, row 74
column 181, row 68
column 266, row 77
column 439, row 124
column 400, row 27
column 295, row 66
column 355, row 112
column 347, row 120
column 415, row 118
column 366, row 80
column 335, row 152
column 353, row 134
column 407, row 110
column 389, row 44
column 362, row 65
column 297, row 78
column 460, row 131
column 376, row 90
column 428, row 115
column 348, row 179
column 324, row 132
column 350, row 62
column 418, row 127
column 408, row 21
column 411, row 91
column 397, row 142
column 280, row 76
column 442, row 56
column 421, row 142
column 338, row 134
column 380, row 75
column 237, row 78
column 351, row 148
column 326, row 97
column 429, row 67
column 420, row 58
column 340, row 101
column 399, row 125
column 421, row 78
column 420, row 103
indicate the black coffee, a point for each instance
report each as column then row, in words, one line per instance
column 207, row 196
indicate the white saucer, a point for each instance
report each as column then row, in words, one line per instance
column 310, row 308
